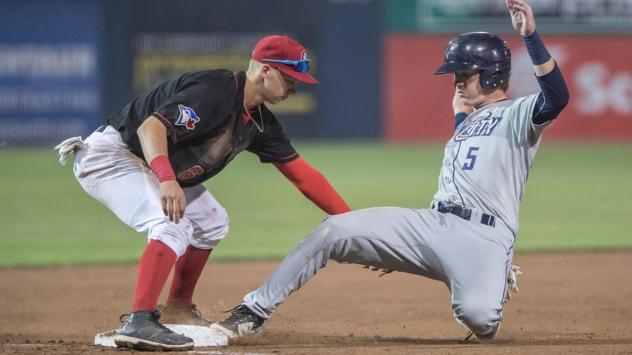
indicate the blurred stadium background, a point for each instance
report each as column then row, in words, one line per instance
column 375, row 125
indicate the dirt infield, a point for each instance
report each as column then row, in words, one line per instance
column 569, row 303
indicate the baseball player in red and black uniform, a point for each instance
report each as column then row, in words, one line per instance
column 147, row 165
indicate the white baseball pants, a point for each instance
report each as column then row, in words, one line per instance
column 121, row 181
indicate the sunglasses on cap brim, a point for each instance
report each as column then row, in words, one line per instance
column 301, row 66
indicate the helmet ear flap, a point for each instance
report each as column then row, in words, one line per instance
column 485, row 81
column 495, row 78
column 489, row 79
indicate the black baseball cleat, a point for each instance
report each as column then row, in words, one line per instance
column 142, row 331
column 241, row 323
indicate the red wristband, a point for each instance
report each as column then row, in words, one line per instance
column 162, row 168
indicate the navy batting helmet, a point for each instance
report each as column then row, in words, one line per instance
column 479, row 51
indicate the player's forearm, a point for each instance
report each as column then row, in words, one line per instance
column 153, row 138
column 542, row 61
column 313, row 185
column 554, row 92
column 323, row 195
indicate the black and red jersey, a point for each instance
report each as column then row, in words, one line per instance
column 202, row 112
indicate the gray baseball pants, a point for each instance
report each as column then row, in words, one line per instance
column 471, row 258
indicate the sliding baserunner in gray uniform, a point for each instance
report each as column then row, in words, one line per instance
column 466, row 238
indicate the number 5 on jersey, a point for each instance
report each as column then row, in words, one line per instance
column 471, row 158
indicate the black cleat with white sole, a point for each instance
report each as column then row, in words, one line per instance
column 142, row 331
column 242, row 323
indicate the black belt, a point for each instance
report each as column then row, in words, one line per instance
column 465, row 213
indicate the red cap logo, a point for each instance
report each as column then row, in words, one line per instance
column 286, row 55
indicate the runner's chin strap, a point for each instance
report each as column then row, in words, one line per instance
column 70, row 145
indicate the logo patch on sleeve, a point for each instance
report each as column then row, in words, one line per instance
column 187, row 117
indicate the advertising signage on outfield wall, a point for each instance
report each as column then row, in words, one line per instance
column 162, row 56
column 343, row 39
column 65, row 65
column 465, row 15
column 49, row 70
column 597, row 70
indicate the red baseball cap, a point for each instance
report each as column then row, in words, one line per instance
column 286, row 55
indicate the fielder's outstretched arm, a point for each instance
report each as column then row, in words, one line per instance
column 313, row 185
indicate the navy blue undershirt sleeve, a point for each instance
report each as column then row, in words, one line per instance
column 536, row 49
column 552, row 98
column 458, row 119
column 554, row 93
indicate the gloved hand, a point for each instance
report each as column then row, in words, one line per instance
column 70, row 145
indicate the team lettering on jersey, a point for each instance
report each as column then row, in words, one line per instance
column 481, row 125
column 191, row 173
column 187, row 117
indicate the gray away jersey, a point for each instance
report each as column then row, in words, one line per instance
column 487, row 161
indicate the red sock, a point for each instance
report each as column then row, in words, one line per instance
column 153, row 271
column 186, row 275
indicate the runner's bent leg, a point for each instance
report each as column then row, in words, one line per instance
column 476, row 260
column 392, row 238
